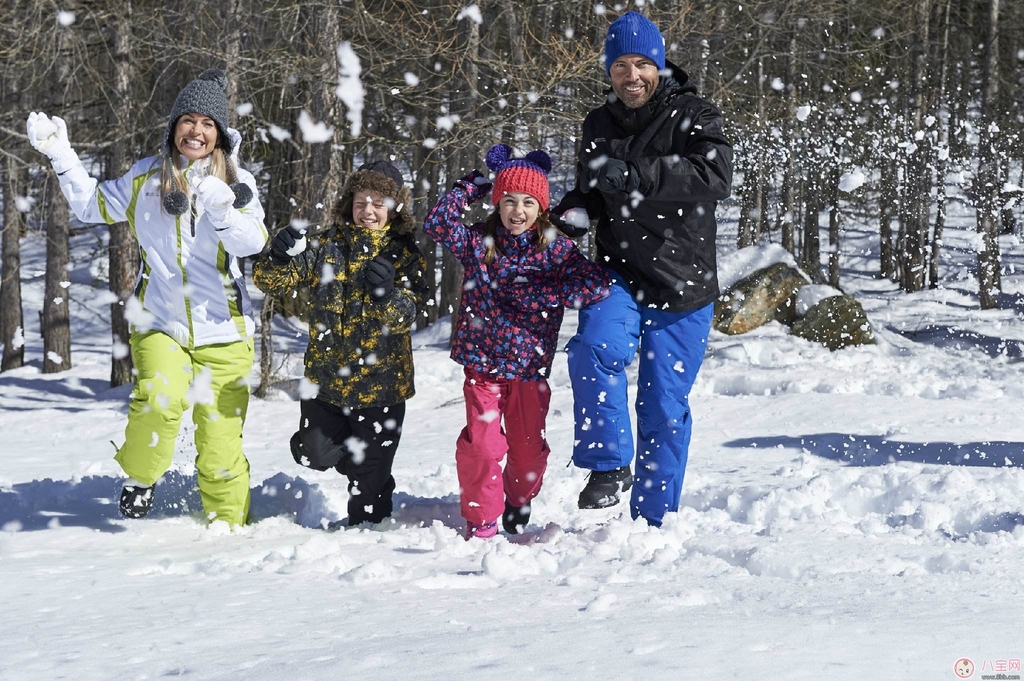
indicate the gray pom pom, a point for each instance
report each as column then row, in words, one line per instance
column 175, row 202
column 215, row 75
column 243, row 194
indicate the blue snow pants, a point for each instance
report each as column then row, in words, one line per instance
column 671, row 346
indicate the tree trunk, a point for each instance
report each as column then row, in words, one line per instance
column 56, row 319
column 12, row 320
column 918, row 176
column 812, row 238
column 424, row 190
column 266, row 346
column 941, row 156
column 123, row 249
column 324, row 169
column 787, row 219
column 233, row 52
column 986, row 183
column 835, row 223
column 886, row 205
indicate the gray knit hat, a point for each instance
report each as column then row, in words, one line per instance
column 206, row 95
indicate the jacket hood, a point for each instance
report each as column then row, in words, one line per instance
column 402, row 219
column 678, row 80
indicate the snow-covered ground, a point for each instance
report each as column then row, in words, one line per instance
column 846, row 515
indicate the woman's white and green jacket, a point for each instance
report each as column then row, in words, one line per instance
column 190, row 280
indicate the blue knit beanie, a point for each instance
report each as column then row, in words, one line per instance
column 633, row 33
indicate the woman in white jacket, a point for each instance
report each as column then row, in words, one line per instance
column 194, row 213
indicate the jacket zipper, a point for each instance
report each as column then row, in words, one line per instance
column 193, row 212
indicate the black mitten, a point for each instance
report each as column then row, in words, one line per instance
column 616, row 176
column 282, row 242
column 379, row 277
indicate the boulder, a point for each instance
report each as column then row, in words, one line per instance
column 758, row 298
column 836, row 322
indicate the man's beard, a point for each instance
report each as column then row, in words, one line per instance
column 637, row 99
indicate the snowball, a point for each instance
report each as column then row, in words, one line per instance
column 350, row 88
column 138, row 316
column 308, row 390
column 280, row 134
column 577, row 217
column 803, row 112
column 326, row 274
column 314, row 132
column 851, row 181
column 472, row 12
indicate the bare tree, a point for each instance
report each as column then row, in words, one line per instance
column 12, row 322
column 123, row 249
column 987, row 183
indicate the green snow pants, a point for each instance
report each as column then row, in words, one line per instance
column 169, row 378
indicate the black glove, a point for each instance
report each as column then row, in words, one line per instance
column 282, row 242
column 571, row 231
column 476, row 184
column 616, row 176
column 379, row 277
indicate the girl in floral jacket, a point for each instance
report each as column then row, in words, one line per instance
column 520, row 274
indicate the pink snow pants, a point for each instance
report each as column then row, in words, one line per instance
column 483, row 443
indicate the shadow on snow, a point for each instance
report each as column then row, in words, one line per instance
column 957, row 338
column 91, row 502
column 878, row 450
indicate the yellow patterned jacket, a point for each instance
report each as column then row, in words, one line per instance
column 360, row 350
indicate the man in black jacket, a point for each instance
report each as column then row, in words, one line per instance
column 652, row 165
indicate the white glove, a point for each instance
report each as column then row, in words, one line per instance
column 50, row 136
column 216, row 197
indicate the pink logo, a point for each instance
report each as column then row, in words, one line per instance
column 964, row 668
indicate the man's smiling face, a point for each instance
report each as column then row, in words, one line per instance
column 634, row 79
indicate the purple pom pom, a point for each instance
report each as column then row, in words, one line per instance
column 540, row 159
column 497, row 156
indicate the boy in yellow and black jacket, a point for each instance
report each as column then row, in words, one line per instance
column 366, row 277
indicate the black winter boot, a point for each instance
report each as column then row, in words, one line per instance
column 515, row 517
column 605, row 487
column 136, row 500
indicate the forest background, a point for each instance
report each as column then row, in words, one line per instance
column 881, row 110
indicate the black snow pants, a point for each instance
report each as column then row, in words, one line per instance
column 360, row 443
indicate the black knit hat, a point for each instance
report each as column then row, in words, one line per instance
column 385, row 169
column 206, row 95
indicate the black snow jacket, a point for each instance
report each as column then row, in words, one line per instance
column 661, row 237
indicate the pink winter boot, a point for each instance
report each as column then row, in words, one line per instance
column 481, row 531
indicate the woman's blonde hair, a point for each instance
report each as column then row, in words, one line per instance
column 172, row 178
column 493, row 223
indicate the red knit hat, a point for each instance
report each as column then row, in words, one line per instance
column 528, row 175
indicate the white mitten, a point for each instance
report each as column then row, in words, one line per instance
column 50, row 136
column 216, row 197
column 577, row 217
